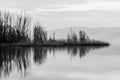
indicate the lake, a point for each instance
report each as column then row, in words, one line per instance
column 60, row 63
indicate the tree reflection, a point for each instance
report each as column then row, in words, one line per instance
column 40, row 54
column 75, row 51
column 19, row 58
column 81, row 51
column 13, row 57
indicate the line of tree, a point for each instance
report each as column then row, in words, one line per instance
column 40, row 34
column 73, row 37
column 16, row 28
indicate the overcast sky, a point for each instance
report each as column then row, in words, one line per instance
column 56, row 14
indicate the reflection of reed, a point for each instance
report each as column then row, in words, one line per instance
column 40, row 54
column 74, row 51
column 11, row 58
column 81, row 51
column 18, row 58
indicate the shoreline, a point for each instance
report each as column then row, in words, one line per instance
column 56, row 44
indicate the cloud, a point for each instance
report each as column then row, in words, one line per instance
column 91, row 18
column 60, row 5
column 31, row 5
column 114, row 6
column 68, row 12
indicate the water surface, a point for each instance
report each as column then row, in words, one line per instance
column 68, row 63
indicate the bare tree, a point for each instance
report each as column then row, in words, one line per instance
column 68, row 38
column 83, row 37
column 72, row 36
column 40, row 35
column 14, row 28
column 22, row 27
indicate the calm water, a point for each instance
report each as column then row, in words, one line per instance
column 71, row 63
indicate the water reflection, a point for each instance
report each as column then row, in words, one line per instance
column 74, row 51
column 40, row 54
column 19, row 59
column 12, row 58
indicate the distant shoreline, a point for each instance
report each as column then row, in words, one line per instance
column 56, row 44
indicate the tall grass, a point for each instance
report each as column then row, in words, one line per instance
column 14, row 28
column 40, row 35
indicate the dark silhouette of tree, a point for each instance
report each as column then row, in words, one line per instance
column 14, row 28
column 68, row 38
column 83, row 37
column 22, row 27
column 72, row 36
column 40, row 35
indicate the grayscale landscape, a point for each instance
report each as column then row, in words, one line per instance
column 59, row 40
column 106, row 34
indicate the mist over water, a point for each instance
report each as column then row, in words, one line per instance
column 68, row 63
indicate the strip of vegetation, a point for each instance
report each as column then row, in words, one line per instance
column 15, row 30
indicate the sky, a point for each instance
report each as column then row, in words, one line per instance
column 57, row 14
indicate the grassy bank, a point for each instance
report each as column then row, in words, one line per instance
column 17, row 30
column 57, row 44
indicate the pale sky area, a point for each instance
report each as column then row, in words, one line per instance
column 57, row 14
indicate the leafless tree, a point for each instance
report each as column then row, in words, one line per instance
column 40, row 35
column 83, row 37
column 14, row 28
